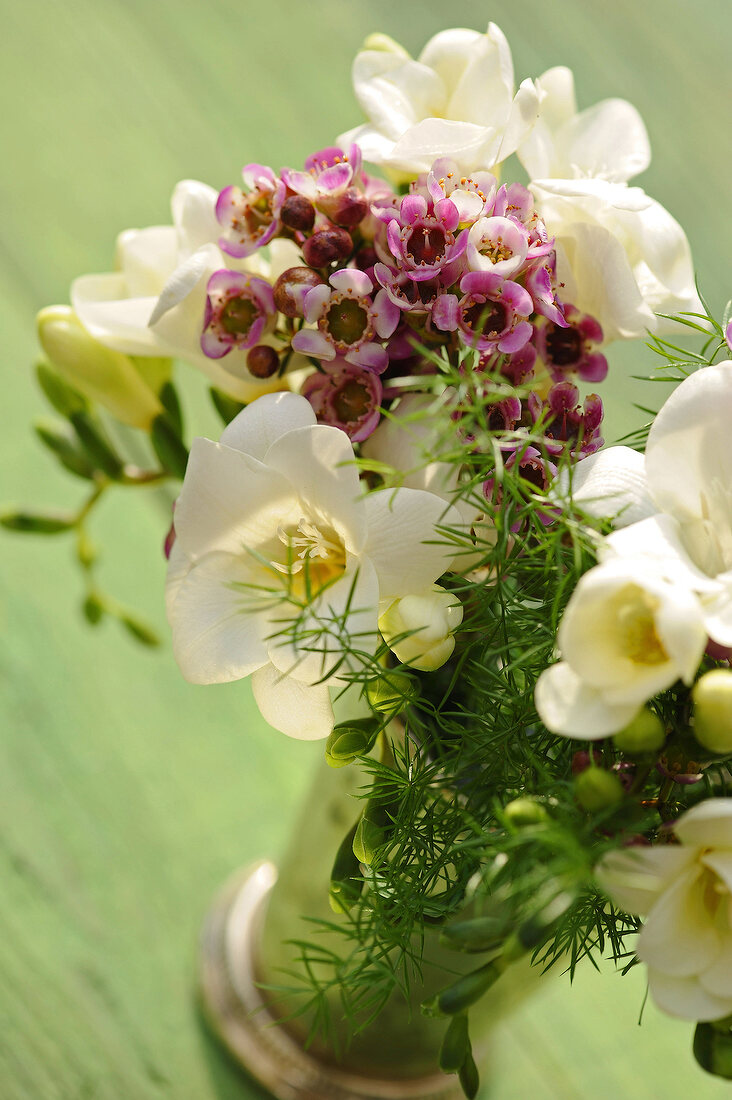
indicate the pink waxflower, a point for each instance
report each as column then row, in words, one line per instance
column 566, row 426
column 536, row 469
column 571, row 348
column 728, row 335
column 346, row 397
column 540, row 281
column 238, row 307
column 331, row 183
column 491, row 315
column 421, row 238
column 348, row 320
column 515, row 201
column 499, row 245
column 250, row 218
column 405, row 293
column 472, row 195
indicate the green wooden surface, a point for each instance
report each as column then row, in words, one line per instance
column 126, row 795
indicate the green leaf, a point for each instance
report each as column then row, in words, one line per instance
column 139, row 630
column 456, row 1045
column 168, row 446
column 479, row 934
column 713, row 1048
column 171, row 403
column 93, row 439
column 36, row 523
column 227, row 407
column 64, row 398
column 346, row 880
column 469, row 1077
column 63, row 445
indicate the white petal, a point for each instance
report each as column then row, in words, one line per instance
column 608, row 141
column 470, row 146
column 201, row 264
column 407, row 551
column 558, row 100
column 690, row 442
column 477, row 71
column 720, row 862
column 230, row 501
column 679, row 937
column 375, row 146
column 658, row 542
column 568, row 706
column 634, row 878
column 708, row 824
column 394, row 93
column 293, row 708
column 146, row 258
column 319, row 463
column 522, row 115
column 216, row 636
column 610, row 483
column 717, row 611
column 686, row 997
column 104, row 309
column 257, row 426
column 194, row 215
column 717, row 980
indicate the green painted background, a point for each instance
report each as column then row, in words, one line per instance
column 126, row 795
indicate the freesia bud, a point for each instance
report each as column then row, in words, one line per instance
column 644, row 734
column 419, row 628
column 712, row 697
column 391, row 692
column 525, row 811
column 103, row 375
column 596, row 789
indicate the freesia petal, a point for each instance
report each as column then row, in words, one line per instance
column 708, row 824
column 686, row 997
column 469, row 145
column 319, row 463
column 522, row 116
column 194, row 214
column 569, row 706
column 608, row 141
column 717, row 980
column 611, row 482
column 678, row 937
column 101, row 304
column 291, row 707
column 257, row 426
column 634, row 878
column 479, row 70
column 184, row 278
column 393, row 92
column 406, row 549
column 217, row 635
column 658, row 542
column 721, row 863
column 147, row 258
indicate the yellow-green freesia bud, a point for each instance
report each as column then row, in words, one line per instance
column 596, row 789
column 712, row 697
column 391, row 692
column 384, row 44
column 419, row 628
column 103, row 375
column 644, row 734
column 154, row 370
column 525, row 811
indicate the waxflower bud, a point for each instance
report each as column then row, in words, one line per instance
column 327, row 246
column 596, row 789
column 346, row 208
column 644, row 734
column 290, row 289
column 103, row 375
column 297, row 213
column 712, row 698
column 262, row 361
column 419, row 628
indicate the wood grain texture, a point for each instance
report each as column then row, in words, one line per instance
column 126, row 795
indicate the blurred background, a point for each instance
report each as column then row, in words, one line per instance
column 126, row 795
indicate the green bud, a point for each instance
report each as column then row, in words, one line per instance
column 65, row 448
column 349, row 740
column 464, row 992
column 712, row 698
column 525, row 811
column 168, row 446
column 368, row 839
column 346, row 880
column 713, row 1048
column 36, row 523
column 479, row 934
column 391, row 692
column 456, row 1044
column 469, row 1077
column 63, row 397
column 225, row 406
column 103, row 375
column 596, row 789
column 92, row 437
column 93, row 609
column 139, row 630
column 645, row 734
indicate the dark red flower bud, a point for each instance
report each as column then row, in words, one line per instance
column 262, row 361
column 291, row 288
column 298, row 213
column 327, row 246
column 347, row 208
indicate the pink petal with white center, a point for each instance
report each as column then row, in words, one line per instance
column 413, row 207
column 369, row 356
column 295, row 709
column 446, row 312
column 212, row 345
column 351, row 279
column 314, row 301
column 678, row 937
column 385, row 315
column 302, row 183
column 516, row 339
column 468, row 204
column 634, row 878
column 310, row 341
column 257, row 426
column 404, row 545
column 320, row 464
column 568, row 706
column 707, row 825
column 334, row 178
column 686, row 997
column 218, row 636
column 393, row 238
column 447, row 212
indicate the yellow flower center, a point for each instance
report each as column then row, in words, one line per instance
column 314, row 558
column 636, row 626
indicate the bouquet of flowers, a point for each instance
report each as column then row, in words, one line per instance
column 411, row 536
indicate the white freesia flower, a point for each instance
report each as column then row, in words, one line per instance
column 420, row 627
column 685, row 479
column 280, row 563
column 608, row 141
column 621, row 257
column 686, row 892
column 154, row 303
column 456, row 100
column 625, row 635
